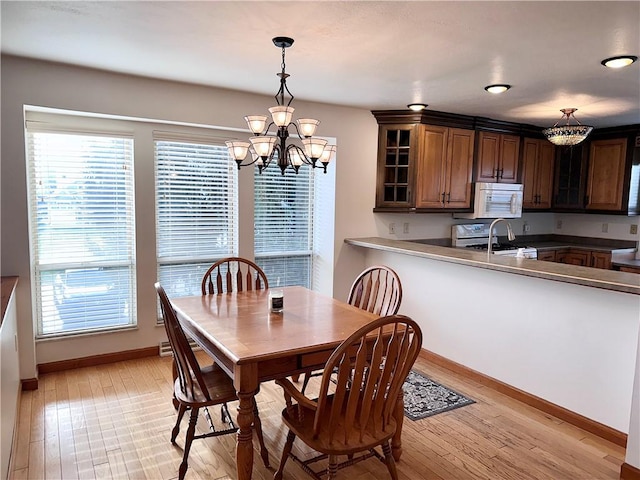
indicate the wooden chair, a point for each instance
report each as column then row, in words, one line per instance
column 233, row 274
column 378, row 290
column 196, row 387
column 372, row 365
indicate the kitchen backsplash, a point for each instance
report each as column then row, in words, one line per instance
column 438, row 225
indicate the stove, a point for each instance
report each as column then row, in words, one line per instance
column 476, row 236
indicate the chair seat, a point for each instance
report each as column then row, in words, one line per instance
column 372, row 434
column 219, row 384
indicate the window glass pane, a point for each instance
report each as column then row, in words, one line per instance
column 82, row 231
column 283, row 220
column 196, row 212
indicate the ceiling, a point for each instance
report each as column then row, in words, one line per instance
column 373, row 55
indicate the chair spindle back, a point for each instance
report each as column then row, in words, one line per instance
column 378, row 290
column 233, row 274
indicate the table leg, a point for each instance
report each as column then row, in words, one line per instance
column 244, row 447
column 396, row 440
column 246, row 383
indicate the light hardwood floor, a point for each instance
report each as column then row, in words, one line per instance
column 114, row 421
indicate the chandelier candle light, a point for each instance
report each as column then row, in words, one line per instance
column 264, row 148
column 567, row 135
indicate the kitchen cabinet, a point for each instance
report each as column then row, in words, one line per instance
column 397, row 146
column 630, row 269
column 570, row 178
column 585, row 258
column 498, row 156
column 547, row 255
column 601, row 260
column 605, row 183
column 537, row 173
column 444, row 167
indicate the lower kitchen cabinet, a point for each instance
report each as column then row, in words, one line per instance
column 584, row 258
column 547, row 255
column 630, row 269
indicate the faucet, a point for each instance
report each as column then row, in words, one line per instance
column 510, row 234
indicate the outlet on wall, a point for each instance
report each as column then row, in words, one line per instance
column 558, row 224
column 633, row 230
column 605, row 227
column 392, row 228
column 526, row 227
column 405, row 227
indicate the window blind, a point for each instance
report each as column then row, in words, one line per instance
column 196, row 211
column 81, row 207
column 283, row 217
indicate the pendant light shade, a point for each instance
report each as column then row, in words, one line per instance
column 567, row 135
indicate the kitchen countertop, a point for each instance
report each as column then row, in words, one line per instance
column 590, row 277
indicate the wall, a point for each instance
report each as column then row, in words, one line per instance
column 571, row 345
column 30, row 82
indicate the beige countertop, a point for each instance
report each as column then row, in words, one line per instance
column 590, row 277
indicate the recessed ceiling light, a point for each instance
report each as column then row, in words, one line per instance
column 619, row 62
column 416, row 107
column 497, row 88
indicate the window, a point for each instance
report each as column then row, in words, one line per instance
column 196, row 211
column 283, row 217
column 81, row 211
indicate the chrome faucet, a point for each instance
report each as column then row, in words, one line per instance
column 510, row 234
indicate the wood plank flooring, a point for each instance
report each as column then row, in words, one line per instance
column 114, row 421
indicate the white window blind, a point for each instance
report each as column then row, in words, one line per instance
column 196, row 211
column 81, row 206
column 283, row 217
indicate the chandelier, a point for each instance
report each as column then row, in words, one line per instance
column 567, row 135
column 265, row 148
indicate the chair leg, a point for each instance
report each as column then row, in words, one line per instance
column 333, row 467
column 388, row 459
column 176, row 429
column 193, row 419
column 285, row 455
column 305, row 381
column 257, row 425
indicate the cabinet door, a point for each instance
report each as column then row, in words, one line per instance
column 547, row 255
column 601, row 260
column 570, row 178
column 396, row 154
column 509, row 155
column 459, row 168
column 546, row 157
column 488, row 157
column 630, row 269
column 430, row 185
column 529, row 173
column 577, row 257
column 607, row 160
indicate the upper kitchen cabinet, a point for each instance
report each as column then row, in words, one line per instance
column 606, row 177
column 498, row 156
column 444, row 168
column 570, row 178
column 537, row 173
column 397, row 148
column 600, row 175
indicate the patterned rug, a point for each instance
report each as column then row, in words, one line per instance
column 423, row 397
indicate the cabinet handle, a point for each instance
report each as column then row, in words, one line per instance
column 449, row 197
column 500, row 172
column 497, row 175
column 442, row 201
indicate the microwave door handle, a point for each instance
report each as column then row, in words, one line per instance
column 514, row 203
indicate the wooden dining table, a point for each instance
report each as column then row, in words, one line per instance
column 254, row 345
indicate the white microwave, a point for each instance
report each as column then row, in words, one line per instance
column 496, row 200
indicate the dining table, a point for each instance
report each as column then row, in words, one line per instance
column 252, row 345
